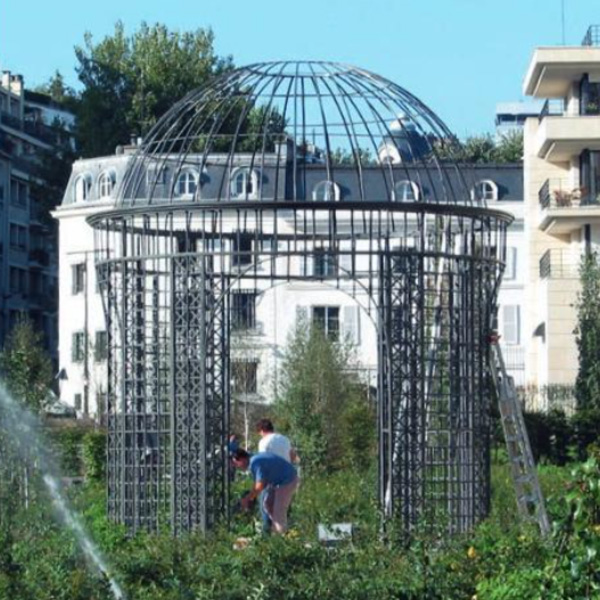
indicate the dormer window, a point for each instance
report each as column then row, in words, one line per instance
column 106, row 184
column 326, row 191
column 244, row 184
column 186, row 184
column 83, row 188
column 406, row 191
column 484, row 190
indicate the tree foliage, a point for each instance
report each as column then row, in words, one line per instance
column 26, row 368
column 59, row 91
column 129, row 81
column 482, row 149
column 587, row 332
column 325, row 410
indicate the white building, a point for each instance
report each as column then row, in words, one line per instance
column 262, row 315
column 562, row 201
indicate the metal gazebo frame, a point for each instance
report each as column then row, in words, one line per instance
column 271, row 169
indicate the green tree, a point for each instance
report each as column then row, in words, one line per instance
column 510, row 148
column 26, row 368
column 59, row 91
column 587, row 332
column 481, row 149
column 324, row 409
column 129, row 82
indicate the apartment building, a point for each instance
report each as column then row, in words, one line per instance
column 562, row 200
column 29, row 125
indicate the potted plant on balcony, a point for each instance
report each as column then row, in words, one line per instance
column 562, row 197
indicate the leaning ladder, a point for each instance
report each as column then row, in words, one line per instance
column 530, row 500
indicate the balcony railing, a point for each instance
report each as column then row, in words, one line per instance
column 592, row 36
column 35, row 129
column 553, row 107
column 557, row 263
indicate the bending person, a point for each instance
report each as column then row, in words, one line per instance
column 275, row 474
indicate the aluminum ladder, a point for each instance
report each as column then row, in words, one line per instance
column 530, row 500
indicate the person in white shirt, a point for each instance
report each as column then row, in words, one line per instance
column 276, row 443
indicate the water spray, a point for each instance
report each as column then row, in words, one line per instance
column 22, row 426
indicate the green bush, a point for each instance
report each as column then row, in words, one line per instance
column 67, row 449
column 94, row 455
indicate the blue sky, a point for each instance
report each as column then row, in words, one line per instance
column 460, row 57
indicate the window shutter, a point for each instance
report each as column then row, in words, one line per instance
column 306, row 265
column 301, row 314
column 74, row 352
column 511, row 264
column 510, row 324
column 351, row 324
column 345, row 262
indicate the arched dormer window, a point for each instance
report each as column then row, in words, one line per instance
column 244, row 184
column 326, row 191
column 484, row 190
column 186, row 184
column 406, row 191
column 388, row 154
column 83, row 188
column 106, row 183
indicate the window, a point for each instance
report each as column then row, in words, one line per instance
column 83, row 188
column 389, row 155
column 101, row 346
column 106, row 184
column 510, row 271
column 510, row 324
column 325, row 264
column 326, row 191
column 78, row 346
column 589, row 97
column 244, row 376
column 327, row 318
column 589, row 177
column 244, row 184
column 18, row 237
column 242, row 250
column 243, row 310
column 18, row 193
column 187, row 184
column 18, row 280
column 406, row 191
column 78, row 278
column 484, row 190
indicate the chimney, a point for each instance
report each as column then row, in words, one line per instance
column 6, row 80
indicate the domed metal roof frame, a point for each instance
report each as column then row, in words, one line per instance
column 426, row 265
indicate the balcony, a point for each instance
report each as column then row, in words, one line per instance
column 565, row 208
column 35, row 129
column 557, row 263
column 561, row 137
column 553, row 70
column 39, row 256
